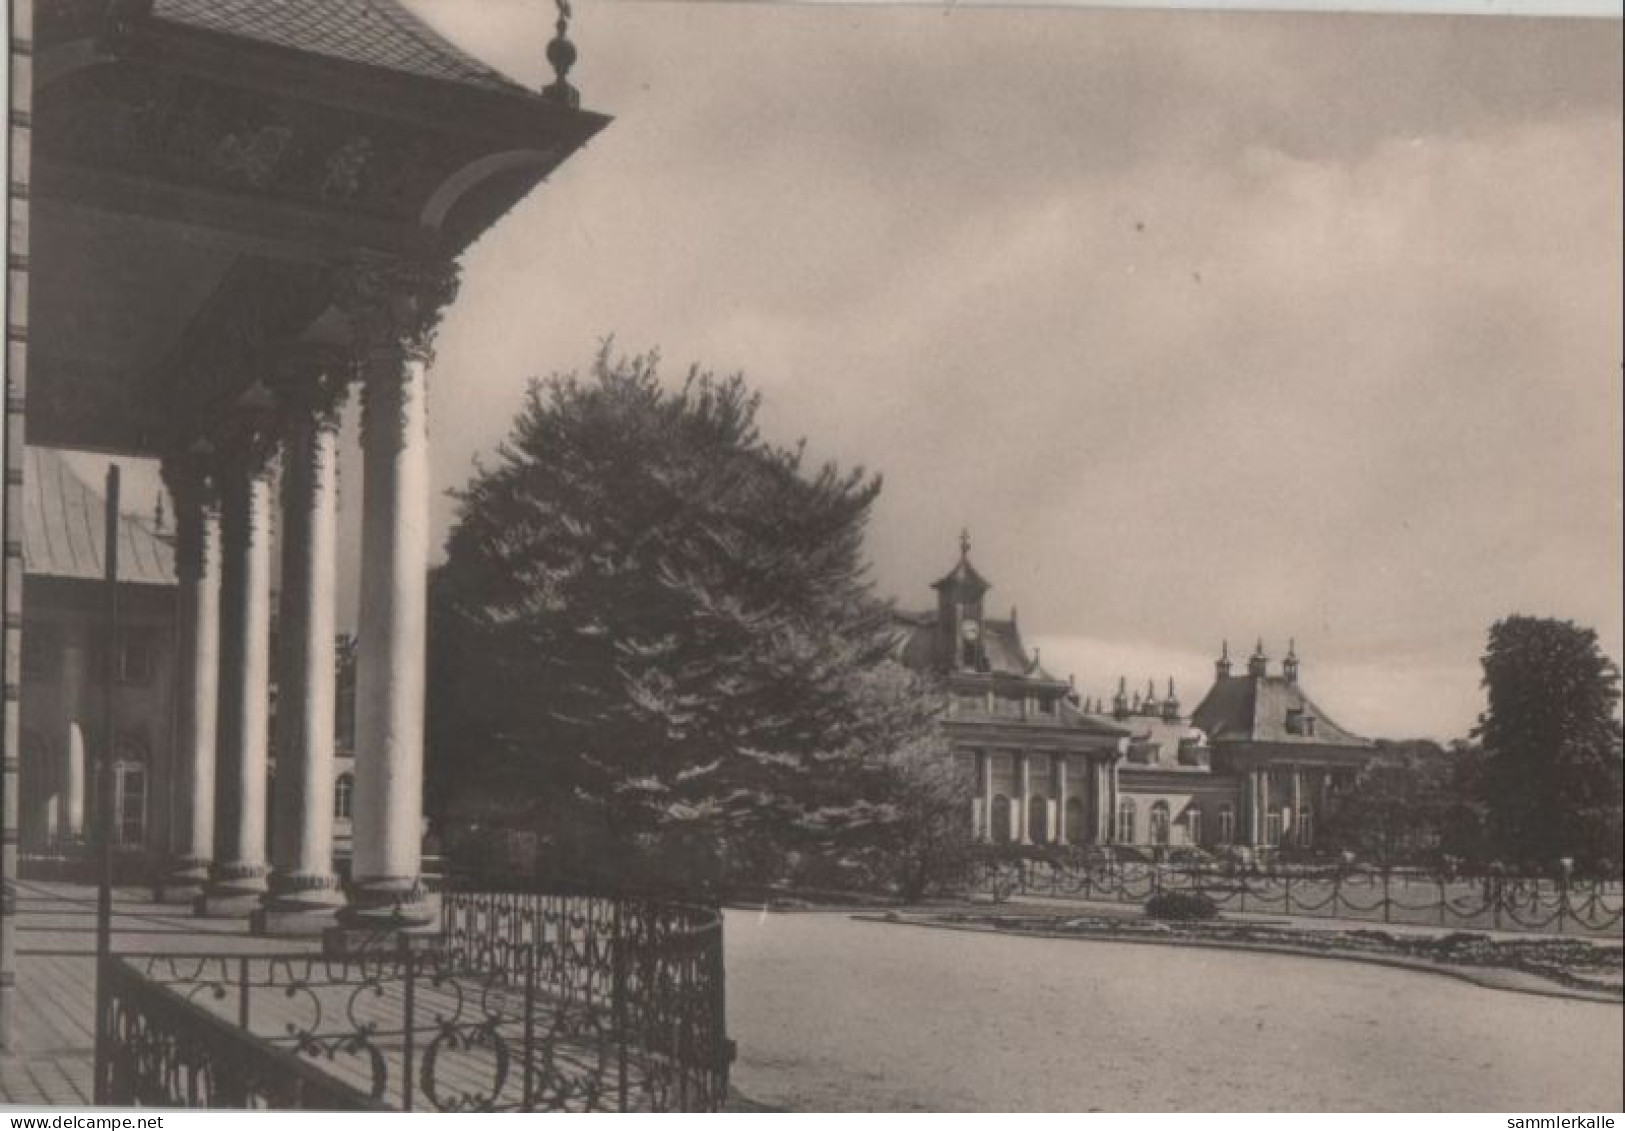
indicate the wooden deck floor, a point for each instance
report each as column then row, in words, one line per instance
column 49, row 1061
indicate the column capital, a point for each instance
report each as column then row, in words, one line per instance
column 310, row 383
column 190, row 475
column 395, row 304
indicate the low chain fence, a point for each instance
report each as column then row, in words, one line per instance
column 1489, row 901
column 526, row 1002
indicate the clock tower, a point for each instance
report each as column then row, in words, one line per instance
column 959, row 612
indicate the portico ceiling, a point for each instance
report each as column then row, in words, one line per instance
column 197, row 182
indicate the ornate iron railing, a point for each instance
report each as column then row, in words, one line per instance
column 168, row 1050
column 526, row 1002
column 1491, row 901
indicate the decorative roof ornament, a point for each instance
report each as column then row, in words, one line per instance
column 964, row 543
column 1289, row 666
column 561, row 53
column 1222, row 665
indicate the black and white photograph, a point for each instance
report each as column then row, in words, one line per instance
column 803, row 556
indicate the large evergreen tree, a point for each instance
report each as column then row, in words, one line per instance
column 1551, row 738
column 655, row 634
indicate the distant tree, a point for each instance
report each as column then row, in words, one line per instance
column 1554, row 769
column 657, row 638
column 908, row 832
column 1396, row 808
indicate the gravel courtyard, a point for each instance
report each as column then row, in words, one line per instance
column 836, row 1014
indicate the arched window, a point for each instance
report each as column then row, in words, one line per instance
column 1306, row 828
column 1193, row 824
column 343, row 795
column 1125, row 821
column 1001, row 819
column 1227, row 824
column 1159, row 823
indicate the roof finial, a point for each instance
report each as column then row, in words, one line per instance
column 562, row 54
column 1258, row 662
column 964, row 543
column 1289, row 666
column 1221, row 666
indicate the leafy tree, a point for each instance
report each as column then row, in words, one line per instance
column 1551, row 735
column 657, row 637
column 1413, row 800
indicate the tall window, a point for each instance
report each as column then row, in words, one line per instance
column 1001, row 819
column 1159, row 823
column 1075, row 831
column 343, row 795
column 1306, row 828
column 1272, row 826
column 133, row 660
column 1193, row 824
column 1227, row 824
column 129, row 804
column 1038, row 821
column 1125, row 821
column 41, row 646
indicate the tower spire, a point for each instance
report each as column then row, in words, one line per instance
column 1222, row 667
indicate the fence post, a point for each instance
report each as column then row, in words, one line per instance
column 529, row 1090
column 1566, row 864
column 242, row 993
column 1288, row 904
column 1444, row 902
column 1387, row 902
column 618, row 978
column 409, row 1016
column 1497, row 894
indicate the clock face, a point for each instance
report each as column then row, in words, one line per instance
column 969, row 629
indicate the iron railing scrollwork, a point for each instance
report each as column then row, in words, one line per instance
column 1487, row 901
column 525, row 1002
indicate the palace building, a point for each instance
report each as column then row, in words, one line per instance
column 1252, row 766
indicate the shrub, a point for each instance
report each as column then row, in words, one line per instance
column 1181, row 906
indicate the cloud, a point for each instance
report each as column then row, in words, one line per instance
column 1205, row 324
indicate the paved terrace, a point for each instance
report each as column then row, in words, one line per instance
column 56, row 978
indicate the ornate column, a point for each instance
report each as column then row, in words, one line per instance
column 1059, row 836
column 237, row 880
column 1024, row 783
column 304, row 891
column 197, row 568
column 394, row 308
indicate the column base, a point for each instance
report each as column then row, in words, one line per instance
column 183, row 881
column 389, row 903
column 233, row 892
column 303, row 903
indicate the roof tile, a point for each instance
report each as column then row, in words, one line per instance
column 377, row 33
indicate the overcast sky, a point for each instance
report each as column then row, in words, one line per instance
column 1204, row 325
